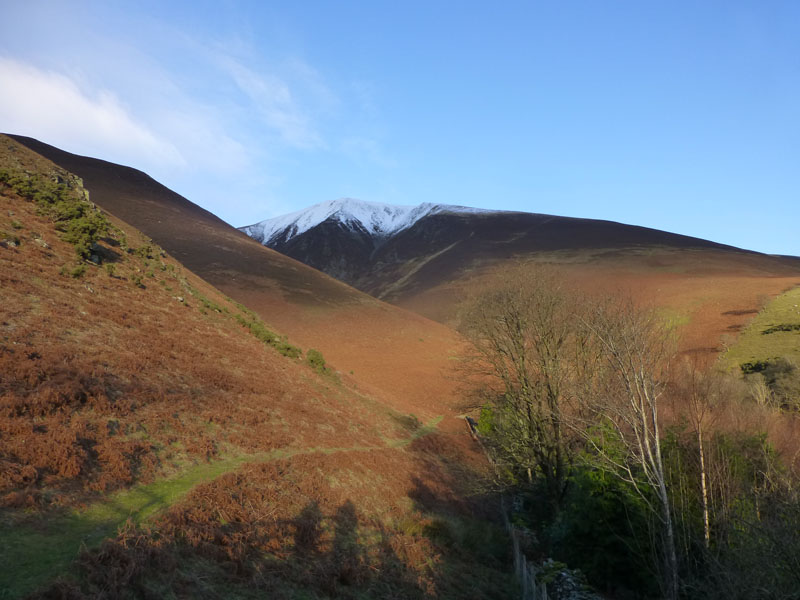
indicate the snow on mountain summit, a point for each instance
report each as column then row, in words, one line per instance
column 377, row 219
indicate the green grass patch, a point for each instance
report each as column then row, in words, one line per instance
column 673, row 318
column 773, row 333
column 420, row 430
column 38, row 549
column 256, row 327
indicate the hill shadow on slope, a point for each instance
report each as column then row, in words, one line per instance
column 305, row 527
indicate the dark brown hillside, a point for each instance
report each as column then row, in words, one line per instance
column 445, row 244
column 461, row 242
column 429, row 267
column 203, row 242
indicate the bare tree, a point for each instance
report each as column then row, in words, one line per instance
column 636, row 348
column 527, row 349
column 559, row 369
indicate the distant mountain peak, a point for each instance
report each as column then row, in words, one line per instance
column 377, row 219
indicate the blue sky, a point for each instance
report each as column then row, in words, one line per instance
column 683, row 116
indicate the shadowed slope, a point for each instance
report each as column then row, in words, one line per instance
column 203, row 242
column 458, row 244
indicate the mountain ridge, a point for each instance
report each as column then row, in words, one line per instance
column 377, row 219
column 370, row 245
column 383, row 220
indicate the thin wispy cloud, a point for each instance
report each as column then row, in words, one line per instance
column 366, row 152
column 326, row 101
column 276, row 104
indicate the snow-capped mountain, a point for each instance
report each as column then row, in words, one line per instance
column 373, row 218
column 341, row 237
column 394, row 252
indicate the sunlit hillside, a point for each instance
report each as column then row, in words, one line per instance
column 136, row 396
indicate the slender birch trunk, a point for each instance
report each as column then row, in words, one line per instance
column 704, row 488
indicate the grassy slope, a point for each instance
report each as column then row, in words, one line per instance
column 38, row 550
column 773, row 333
column 108, row 385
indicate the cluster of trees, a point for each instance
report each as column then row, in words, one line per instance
column 617, row 446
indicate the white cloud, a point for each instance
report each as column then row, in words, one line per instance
column 51, row 107
column 209, row 114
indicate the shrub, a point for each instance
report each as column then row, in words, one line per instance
column 80, row 222
column 259, row 330
column 83, row 231
column 782, row 327
column 315, row 360
column 283, row 346
column 782, row 378
column 145, row 252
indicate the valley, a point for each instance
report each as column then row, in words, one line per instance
column 187, row 412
